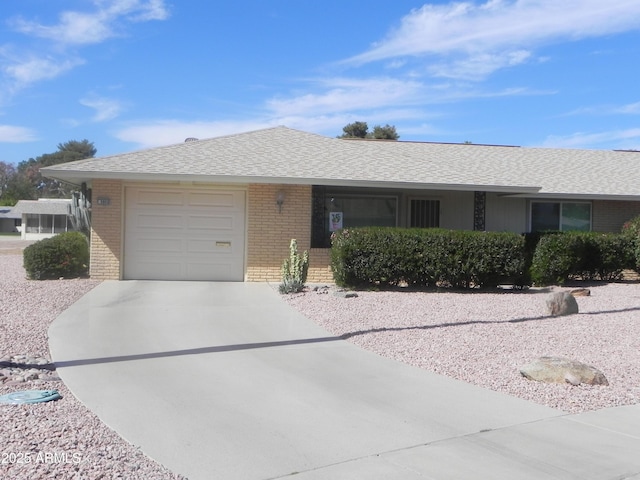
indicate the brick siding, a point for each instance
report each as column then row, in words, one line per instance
column 610, row 215
column 106, row 231
column 270, row 230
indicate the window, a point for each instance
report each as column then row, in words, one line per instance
column 424, row 213
column 59, row 223
column 332, row 211
column 33, row 223
column 46, row 223
column 560, row 216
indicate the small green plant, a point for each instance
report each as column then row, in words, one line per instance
column 294, row 270
column 64, row 255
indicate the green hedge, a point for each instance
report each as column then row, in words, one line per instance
column 426, row 257
column 580, row 255
column 631, row 230
column 64, row 255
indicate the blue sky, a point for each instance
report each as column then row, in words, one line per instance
column 132, row 74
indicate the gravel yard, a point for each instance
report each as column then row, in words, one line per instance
column 484, row 338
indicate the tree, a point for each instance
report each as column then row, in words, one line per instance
column 13, row 187
column 388, row 132
column 29, row 170
column 355, row 130
column 361, row 130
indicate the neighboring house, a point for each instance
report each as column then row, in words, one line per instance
column 226, row 208
column 10, row 221
column 43, row 218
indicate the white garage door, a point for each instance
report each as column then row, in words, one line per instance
column 184, row 234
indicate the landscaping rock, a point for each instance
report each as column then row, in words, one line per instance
column 345, row 294
column 581, row 292
column 18, row 369
column 561, row 303
column 563, row 370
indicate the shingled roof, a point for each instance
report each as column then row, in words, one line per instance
column 44, row 206
column 286, row 156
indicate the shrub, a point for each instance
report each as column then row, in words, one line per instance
column 579, row 255
column 631, row 230
column 64, row 255
column 615, row 254
column 294, row 270
column 425, row 257
column 531, row 240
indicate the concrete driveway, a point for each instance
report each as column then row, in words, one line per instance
column 224, row 380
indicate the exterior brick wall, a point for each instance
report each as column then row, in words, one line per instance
column 106, row 230
column 610, row 215
column 320, row 266
column 269, row 230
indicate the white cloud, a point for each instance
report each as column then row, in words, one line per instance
column 502, row 31
column 627, row 139
column 74, row 28
column 365, row 98
column 36, row 68
column 631, row 109
column 106, row 108
column 628, row 109
column 14, row 134
column 19, row 69
column 80, row 28
column 477, row 67
column 348, row 94
column 166, row 132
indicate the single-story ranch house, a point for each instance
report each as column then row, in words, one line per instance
column 43, row 218
column 226, row 208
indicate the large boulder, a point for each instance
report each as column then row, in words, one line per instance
column 563, row 370
column 561, row 303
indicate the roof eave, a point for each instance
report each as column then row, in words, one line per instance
column 577, row 196
column 78, row 178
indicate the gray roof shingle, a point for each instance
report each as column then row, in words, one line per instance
column 43, row 206
column 283, row 155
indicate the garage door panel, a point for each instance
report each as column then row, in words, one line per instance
column 184, row 234
column 169, row 221
column 225, row 200
column 217, row 248
column 147, row 246
column 211, row 222
column 159, row 198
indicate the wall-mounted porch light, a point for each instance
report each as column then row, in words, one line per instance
column 280, row 200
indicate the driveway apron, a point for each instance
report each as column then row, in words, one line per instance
column 224, row 380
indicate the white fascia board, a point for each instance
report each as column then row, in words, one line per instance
column 80, row 177
column 576, row 196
